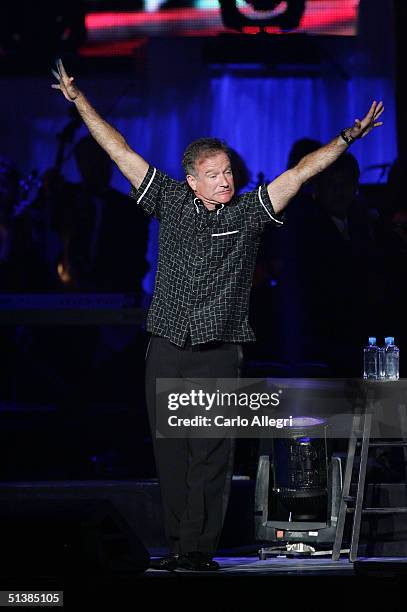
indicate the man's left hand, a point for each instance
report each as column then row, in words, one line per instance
column 362, row 127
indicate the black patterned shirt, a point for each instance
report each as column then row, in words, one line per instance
column 206, row 260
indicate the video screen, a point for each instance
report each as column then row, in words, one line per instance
column 145, row 18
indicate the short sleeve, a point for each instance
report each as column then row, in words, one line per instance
column 259, row 208
column 155, row 191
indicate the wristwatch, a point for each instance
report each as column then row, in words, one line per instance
column 346, row 137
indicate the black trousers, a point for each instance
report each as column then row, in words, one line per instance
column 194, row 474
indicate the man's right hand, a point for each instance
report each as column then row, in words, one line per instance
column 130, row 163
column 65, row 83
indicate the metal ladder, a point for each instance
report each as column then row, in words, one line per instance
column 361, row 429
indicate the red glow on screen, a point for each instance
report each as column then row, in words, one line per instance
column 120, row 29
column 251, row 30
column 96, row 21
column 109, row 49
column 319, row 14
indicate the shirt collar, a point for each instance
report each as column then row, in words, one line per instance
column 199, row 205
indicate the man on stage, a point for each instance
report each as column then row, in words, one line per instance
column 198, row 317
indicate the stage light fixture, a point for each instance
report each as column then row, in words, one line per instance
column 300, row 468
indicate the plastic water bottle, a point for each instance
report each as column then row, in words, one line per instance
column 381, row 363
column 371, row 360
column 391, row 359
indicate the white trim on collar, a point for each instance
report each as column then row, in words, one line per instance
column 197, row 207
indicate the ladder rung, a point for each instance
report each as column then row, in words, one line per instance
column 380, row 510
column 383, row 443
column 387, row 443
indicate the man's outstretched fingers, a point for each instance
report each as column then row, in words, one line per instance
column 378, row 110
column 372, row 109
column 58, row 68
column 61, row 69
column 377, row 114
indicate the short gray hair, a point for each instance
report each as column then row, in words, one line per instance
column 201, row 148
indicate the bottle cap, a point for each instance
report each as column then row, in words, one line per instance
column 389, row 340
column 372, row 340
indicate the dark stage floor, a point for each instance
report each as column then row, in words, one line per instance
column 241, row 583
column 238, row 566
column 37, row 518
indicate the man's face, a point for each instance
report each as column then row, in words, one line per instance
column 213, row 182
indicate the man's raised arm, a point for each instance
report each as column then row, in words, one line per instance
column 287, row 185
column 132, row 165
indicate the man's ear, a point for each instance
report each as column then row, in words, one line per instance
column 191, row 181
